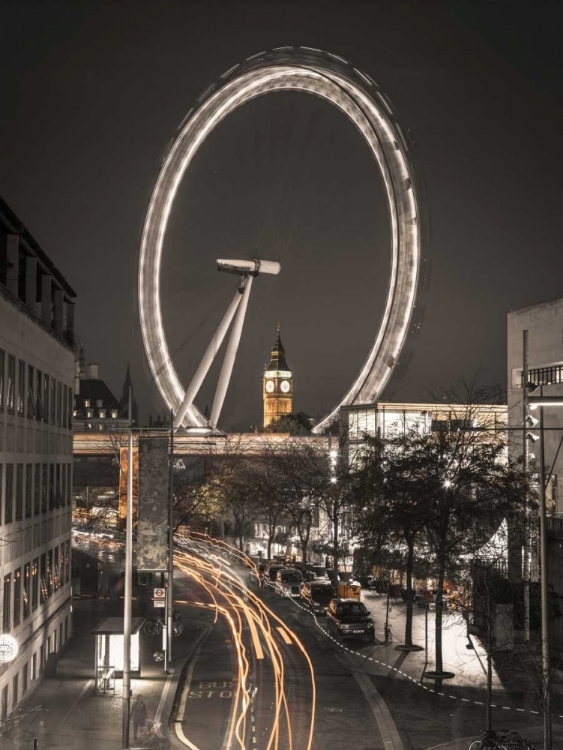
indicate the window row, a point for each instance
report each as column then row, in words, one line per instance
column 26, row 390
column 102, row 413
column 31, row 489
column 25, row 588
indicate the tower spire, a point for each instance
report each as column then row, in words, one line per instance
column 277, row 357
column 277, row 384
column 125, row 395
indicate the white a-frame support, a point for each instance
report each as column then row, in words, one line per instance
column 238, row 306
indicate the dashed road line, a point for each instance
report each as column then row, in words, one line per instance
column 408, row 676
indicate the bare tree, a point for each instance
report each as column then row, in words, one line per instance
column 391, row 489
column 302, row 480
column 449, row 488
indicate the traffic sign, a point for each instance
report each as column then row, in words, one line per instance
column 159, row 597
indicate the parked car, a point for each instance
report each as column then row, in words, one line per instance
column 317, row 594
column 314, row 572
column 333, row 576
column 271, row 572
column 256, row 574
column 368, row 582
column 349, row 618
column 288, row 582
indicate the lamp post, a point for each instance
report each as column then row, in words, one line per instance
column 170, row 576
column 128, row 593
column 541, row 402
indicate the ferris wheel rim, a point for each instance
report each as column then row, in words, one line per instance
column 356, row 95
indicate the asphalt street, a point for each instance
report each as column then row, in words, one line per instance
column 365, row 697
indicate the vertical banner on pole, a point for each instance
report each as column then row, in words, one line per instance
column 123, row 474
column 153, row 515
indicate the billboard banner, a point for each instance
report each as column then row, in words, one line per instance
column 153, row 515
column 123, row 474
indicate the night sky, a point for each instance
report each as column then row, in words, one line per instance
column 91, row 94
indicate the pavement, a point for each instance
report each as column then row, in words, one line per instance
column 64, row 713
column 514, row 678
column 513, row 672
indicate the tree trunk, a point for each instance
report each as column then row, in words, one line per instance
column 408, row 621
column 439, row 610
column 335, row 553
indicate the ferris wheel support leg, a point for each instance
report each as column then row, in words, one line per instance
column 210, row 354
column 230, row 355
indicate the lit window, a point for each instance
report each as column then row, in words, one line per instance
column 114, row 413
column 89, row 413
column 102, row 413
column 86, row 403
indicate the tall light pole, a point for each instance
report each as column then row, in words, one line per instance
column 541, row 402
column 170, row 589
column 128, row 593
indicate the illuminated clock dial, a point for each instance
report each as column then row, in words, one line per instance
column 284, row 385
column 269, row 386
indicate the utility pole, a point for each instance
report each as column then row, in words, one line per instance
column 526, row 545
column 490, row 626
column 541, row 402
column 170, row 589
column 544, row 594
column 128, row 593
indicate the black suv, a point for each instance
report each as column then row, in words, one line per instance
column 317, row 594
column 349, row 618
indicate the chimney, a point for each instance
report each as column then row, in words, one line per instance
column 92, row 371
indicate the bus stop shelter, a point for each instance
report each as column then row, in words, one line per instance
column 109, row 652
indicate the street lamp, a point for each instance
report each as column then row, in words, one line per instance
column 541, row 402
column 128, row 592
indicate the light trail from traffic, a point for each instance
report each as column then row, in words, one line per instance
column 229, row 598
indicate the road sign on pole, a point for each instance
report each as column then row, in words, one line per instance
column 159, row 598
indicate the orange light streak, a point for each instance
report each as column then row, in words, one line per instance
column 225, row 585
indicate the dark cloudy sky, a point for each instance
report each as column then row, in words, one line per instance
column 91, row 93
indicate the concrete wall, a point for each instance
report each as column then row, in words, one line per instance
column 544, row 324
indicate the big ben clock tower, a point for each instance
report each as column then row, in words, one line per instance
column 277, row 385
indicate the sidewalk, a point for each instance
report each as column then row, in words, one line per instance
column 69, row 715
column 512, row 672
column 514, row 694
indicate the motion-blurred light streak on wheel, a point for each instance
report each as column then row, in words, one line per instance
column 351, row 91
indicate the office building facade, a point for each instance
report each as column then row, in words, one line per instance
column 36, row 407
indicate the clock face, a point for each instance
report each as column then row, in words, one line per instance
column 269, row 386
column 284, row 385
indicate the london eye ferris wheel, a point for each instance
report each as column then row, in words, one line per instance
column 356, row 95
